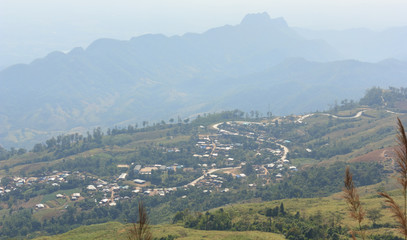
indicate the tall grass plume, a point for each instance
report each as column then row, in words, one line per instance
column 141, row 229
column 351, row 197
column 400, row 213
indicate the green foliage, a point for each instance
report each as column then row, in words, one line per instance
column 321, row 181
column 374, row 215
column 101, row 165
column 386, row 236
column 373, row 97
column 380, row 97
column 292, row 226
column 20, row 223
column 218, row 220
column 7, row 154
column 315, row 182
column 169, row 237
column 212, row 118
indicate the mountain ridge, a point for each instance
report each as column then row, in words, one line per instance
column 154, row 77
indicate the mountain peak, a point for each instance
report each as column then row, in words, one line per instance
column 256, row 19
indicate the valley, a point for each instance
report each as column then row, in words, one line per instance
column 236, row 120
column 211, row 162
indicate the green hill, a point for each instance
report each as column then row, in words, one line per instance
column 330, row 210
column 114, row 230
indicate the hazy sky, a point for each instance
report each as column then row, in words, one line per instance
column 34, row 27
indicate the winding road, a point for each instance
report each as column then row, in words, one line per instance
column 302, row 118
column 286, row 151
column 359, row 114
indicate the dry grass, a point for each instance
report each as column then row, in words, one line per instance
column 355, row 208
column 140, row 230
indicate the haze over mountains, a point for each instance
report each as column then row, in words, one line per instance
column 364, row 44
column 259, row 63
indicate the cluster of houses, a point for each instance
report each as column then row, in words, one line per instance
column 111, row 191
column 6, row 190
column 210, row 148
column 210, row 181
column 278, row 168
column 209, row 152
column 275, row 169
column 54, row 179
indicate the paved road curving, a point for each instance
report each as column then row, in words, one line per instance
column 359, row 114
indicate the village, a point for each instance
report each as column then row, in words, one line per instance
column 214, row 153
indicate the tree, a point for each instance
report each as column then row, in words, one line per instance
column 282, row 211
column 38, row 147
column 269, row 212
column 248, row 169
column 275, row 212
column 141, row 229
column 373, row 97
column 6, row 168
column 6, row 181
column 97, row 135
column 374, row 215
column 51, row 143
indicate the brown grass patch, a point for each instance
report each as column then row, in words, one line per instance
column 402, row 105
column 29, row 204
column 376, row 155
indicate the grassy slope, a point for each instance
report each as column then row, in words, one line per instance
column 114, row 230
column 363, row 127
column 328, row 206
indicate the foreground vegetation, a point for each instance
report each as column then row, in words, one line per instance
column 301, row 217
column 115, row 230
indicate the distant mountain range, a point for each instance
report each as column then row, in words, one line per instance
column 364, row 44
column 259, row 63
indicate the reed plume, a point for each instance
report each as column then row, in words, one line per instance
column 400, row 214
column 352, row 199
column 140, row 230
